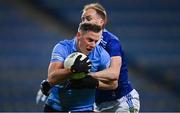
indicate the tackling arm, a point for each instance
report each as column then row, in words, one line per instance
column 109, row 77
column 111, row 73
column 110, row 85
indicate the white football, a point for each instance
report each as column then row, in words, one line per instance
column 69, row 61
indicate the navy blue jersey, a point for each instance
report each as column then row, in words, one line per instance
column 112, row 45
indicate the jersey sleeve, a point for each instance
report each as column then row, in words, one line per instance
column 58, row 53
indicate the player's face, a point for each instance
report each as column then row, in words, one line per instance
column 87, row 41
column 90, row 15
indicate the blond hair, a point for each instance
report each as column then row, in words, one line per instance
column 99, row 9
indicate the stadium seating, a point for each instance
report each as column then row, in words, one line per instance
column 148, row 30
column 24, row 55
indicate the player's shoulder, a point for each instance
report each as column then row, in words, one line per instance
column 101, row 51
column 61, row 50
column 108, row 35
column 64, row 43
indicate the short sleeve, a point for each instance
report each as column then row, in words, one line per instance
column 59, row 52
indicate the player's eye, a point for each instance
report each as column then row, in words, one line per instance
column 88, row 18
column 90, row 40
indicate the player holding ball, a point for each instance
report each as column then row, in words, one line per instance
column 72, row 89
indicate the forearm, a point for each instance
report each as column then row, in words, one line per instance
column 59, row 75
column 105, row 75
column 111, row 73
column 104, row 85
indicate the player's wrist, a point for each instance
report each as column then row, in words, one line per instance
column 93, row 74
column 68, row 70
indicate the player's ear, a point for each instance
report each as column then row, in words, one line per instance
column 102, row 22
column 78, row 35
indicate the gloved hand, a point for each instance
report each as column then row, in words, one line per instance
column 86, row 82
column 45, row 87
column 81, row 65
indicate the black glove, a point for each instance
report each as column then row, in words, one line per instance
column 86, row 82
column 81, row 65
column 45, row 87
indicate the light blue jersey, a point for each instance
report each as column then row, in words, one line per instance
column 62, row 98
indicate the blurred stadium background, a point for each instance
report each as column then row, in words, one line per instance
column 149, row 31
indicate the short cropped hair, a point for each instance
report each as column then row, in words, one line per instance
column 89, row 27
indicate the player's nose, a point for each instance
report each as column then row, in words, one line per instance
column 93, row 45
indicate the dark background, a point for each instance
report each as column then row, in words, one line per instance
column 149, row 31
